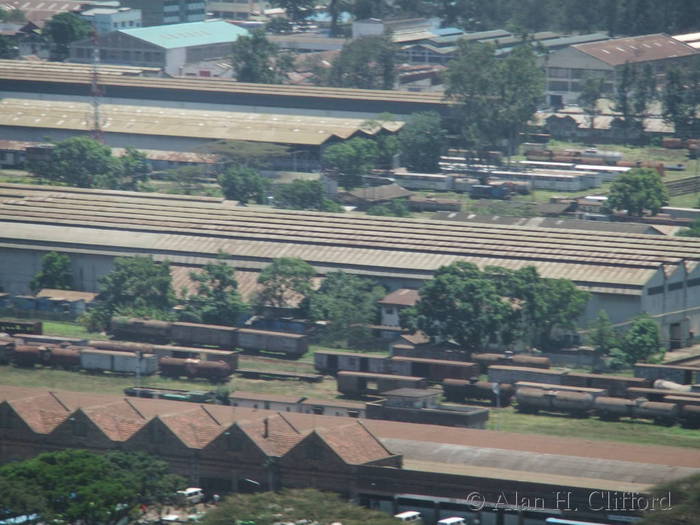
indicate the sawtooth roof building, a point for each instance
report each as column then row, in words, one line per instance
column 384, row 464
column 626, row 274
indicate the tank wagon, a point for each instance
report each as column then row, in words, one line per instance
column 225, row 337
column 363, row 383
column 460, row 391
column 511, row 374
column 214, row 371
column 532, row 401
column 15, row 326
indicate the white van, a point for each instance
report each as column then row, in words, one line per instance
column 191, row 495
column 452, row 521
column 410, row 516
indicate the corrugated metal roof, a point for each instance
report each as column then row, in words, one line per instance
column 188, row 35
column 646, row 48
column 214, row 124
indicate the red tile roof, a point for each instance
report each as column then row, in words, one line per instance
column 401, row 297
column 354, row 444
column 646, row 48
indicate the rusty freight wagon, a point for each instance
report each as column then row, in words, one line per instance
column 433, row 369
column 14, row 326
column 363, row 383
column 329, row 362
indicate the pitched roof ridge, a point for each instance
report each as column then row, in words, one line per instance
column 206, row 411
column 56, row 398
column 374, row 437
column 295, row 429
column 128, row 402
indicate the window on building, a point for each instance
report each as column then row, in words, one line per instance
column 557, row 85
column 389, row 311
column 558, row 72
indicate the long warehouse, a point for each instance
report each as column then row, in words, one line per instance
column 627, row 274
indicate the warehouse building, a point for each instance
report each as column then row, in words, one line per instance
column 626, row 274
column 391, row 466
column 168, row 47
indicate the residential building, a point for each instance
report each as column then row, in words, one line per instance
column 567, row 68
column 236, row 9
column 160, row 12
column 168, row 47
column 392, row 304
column 106, row 19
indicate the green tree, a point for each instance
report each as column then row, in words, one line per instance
column 678, row 502
column 681, row 100
column 79, row 486
column 624, row 98
column 349, row 304
column 495, row 97
column 187, row 180
column 247, row 154
column 55, row 273
column 135, row 169
column 137, row 286
column 284, row 281
column 692, row 231
column 395, row 208
column 81, row 162
column 63, row 29
column 591, row 93
column 8, row 48
column 244, row 184
column 641, row 341
column 422, row 141
column 255, row 59
column 217, row 300
column 602, row 335
column 15, row 16
column 367, row 62
column 461, row 304
column 297, row 10
column 351, row 160
column 294, row 505
column 637, row 191
column 19, row 497
column 304, row 195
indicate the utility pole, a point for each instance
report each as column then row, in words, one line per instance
column 95, row 90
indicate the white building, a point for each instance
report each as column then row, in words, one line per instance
column 106, row 19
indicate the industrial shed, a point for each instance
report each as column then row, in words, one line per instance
column 626, row 274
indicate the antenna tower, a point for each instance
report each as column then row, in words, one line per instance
column 96, row 90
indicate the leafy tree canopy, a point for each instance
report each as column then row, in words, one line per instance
column 244, row 184
column 642, row 340
column 680, row 98
column 349, row 303
column 602, row 335
column 422, row 141
column 297, row 10
column 637, row 191
column 256, row 59
column 77, row 486
column 396, row 208
column 304, row 195
column 15, row 16
column 351, row 159
column 65, row 28
column 692, row 231
column 137, row 286
column 285, row 281
column 55, row 273
column 473, row 307
column 495, row 97
column 292, row 506
column 678, row 502
column 217, row 300
column 245, row 153
column 367, row 62
column 8, row 48
column 592, row 90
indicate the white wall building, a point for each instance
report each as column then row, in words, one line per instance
column 106, row 19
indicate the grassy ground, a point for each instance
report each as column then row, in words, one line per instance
column 70, row 329
column 628, row 431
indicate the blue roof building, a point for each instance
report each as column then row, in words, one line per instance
column 169, row 47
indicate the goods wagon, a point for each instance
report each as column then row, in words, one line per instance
column 460, row 390
column 511, row 374
column 263, row 340
column 329, row 362
column 678, row 374
column 140, row 329
column 595, row 392
column 362, row 383
column 121, row 346
column 615, row 385
column 119, row 362
column 432, row 369
column 203, row 334
column 50, row 340
column 530, row 361
column 215, row 371
column 184, row 352
column 14, row 326
column 26, row 356
column 7, row 346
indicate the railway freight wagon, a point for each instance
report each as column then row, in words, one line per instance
column 118, row 362
column 512, row 374
column 329, row 362
column 432, row 369
column 460, row 391
column 12, row 327
column 226, row 337
column 214, row 371
column 362, row 383
column 530, row 361
column 7, row 346
column 616, row 386
column 684, row 375
column 183, row 352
